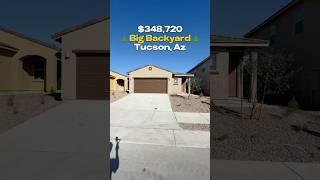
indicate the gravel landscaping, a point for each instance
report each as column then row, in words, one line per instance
column 114, row 96
column 17, row 109
column 195, row 127
column 193, row 103
column 280, row 135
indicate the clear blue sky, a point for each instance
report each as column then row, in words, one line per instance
column 127, row 15
column 40, row 19
column 237, row 17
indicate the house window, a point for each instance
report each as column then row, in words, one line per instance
column 150, row 68
column 38, row 69
column 203, row 69
column 299, row 24
column 213, row 59
column 175, row 81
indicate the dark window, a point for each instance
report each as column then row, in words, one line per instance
column 299, row 26
column 38, row 69
column 213, row 59
column 203, row 69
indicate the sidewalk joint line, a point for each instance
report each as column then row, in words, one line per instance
column 174, row 138
column 295, row 172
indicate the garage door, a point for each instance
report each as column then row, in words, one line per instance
column 150, row 85
column 92, row 74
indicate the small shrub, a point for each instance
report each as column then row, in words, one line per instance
column 293, row 105
column 195, row 84
column 42, row 99
column 52, row 91
column 15, row 110
column 10, row 101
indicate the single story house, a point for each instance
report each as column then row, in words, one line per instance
column 118, row 82
column 221, row 74
column 155, row 79
column 27, row 64
column 85, row 56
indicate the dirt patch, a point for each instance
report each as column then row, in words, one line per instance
column 280, row 135
column 114, row 96
column 17, row 109
column 190, row 104
column 195, row 127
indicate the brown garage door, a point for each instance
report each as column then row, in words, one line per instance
column 150, row 85
column 92, row 74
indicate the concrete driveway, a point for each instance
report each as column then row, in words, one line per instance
column 67, row 143
column 148, row 119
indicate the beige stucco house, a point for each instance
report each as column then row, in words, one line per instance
column 118, row 82
column 155, row 79
column 27, row 64
column 85, row 56
column 294, row 29
column 220, row 74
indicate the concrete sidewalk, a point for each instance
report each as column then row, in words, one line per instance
column 149, row 162
column 250, row 170
column 164, row 137
column 67, row 142
column 148, row 119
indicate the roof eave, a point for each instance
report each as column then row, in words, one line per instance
column 273, row 17
column 57, row 36
column 240, row 44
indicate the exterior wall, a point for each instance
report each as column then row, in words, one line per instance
column 94, row 37
column 220, row 77
column 215, row 83
column 155, row 73
column 202, row 72
column 304, row 47
column 113, row 82
column 12, row 75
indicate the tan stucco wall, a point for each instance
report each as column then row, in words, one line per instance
column 203, row 76
column 94, row 37
column 113, row 82
column 155, row 73
column 215, row 84
column 12, row 75
column 304, row 46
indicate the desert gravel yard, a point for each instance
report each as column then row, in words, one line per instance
column 280, row 135
column 194, row 103
column 16, row 109
column 191, row 104
column 114, row 96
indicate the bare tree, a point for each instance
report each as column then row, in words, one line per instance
column 275, row 71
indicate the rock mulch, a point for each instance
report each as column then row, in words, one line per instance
column 17, row 109
column 279, row 135
column 114, row 96
column 191, row 103
column 195, row 127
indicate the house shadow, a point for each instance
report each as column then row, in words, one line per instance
column 114, row 162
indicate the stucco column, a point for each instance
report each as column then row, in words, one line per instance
column 254, row 75
column 51, row 74
column 189, row 85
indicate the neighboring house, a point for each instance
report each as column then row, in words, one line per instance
column 294, row 28
column 118, row 82
column 221, row 74
column 27, row 64
column 85, row 55
column 155, row 79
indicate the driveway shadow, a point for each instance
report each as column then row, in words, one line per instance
column 114, row 162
